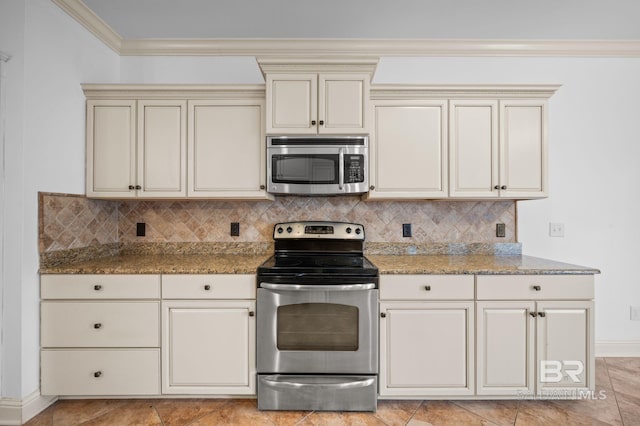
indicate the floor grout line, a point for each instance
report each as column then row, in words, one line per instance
column 613, row 391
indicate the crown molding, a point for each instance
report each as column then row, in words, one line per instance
column 92, row 22
column 352, row 48
column 464, row 91
column 368, row 48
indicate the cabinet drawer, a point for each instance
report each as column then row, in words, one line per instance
column 211, row 286
column 118, row 371
column 100, row 286
column 426, row 287
column 100, row 324
column 538, row 287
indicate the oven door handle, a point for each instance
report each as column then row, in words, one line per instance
column 318, row 382
column 300, row 287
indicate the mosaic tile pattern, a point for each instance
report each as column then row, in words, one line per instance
column 73, row 221
column 207, row 221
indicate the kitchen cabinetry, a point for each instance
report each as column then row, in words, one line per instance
column 471, row 142
column 175, row 141
column 317, row 103
column 226, row 149
column 531, row 329
column 426, row 335
column 100, row 335
column 409, row 149
column 208, row 328
column 498, row 148
column 136, row 157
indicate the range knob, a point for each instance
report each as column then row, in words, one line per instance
column 348, row 230
column 358, row 231
column 289, row 229
column 280, row 230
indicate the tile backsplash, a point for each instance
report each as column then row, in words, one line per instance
column 68, row 221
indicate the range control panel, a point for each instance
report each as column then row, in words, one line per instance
column 314, row 230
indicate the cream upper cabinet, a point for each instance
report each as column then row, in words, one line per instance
column 111, row 148
column 409, row 149
column 136, row 148
column 226, row 149
column 498, row 148
column 317, row 103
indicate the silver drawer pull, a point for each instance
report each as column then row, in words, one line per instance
column 97, row 374
column 427, row 287
column 97, row 325
column 537, row 288
column 207, row 287
column 318, row 382
column 97, row 287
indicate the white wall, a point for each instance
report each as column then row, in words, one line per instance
column 594, row 136
column 52, row 55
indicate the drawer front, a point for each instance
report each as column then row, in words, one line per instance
column 535, row 287
column 100, row 286
column 100, row 324
column 426, row 287
column 209, row 286
column 100, row 372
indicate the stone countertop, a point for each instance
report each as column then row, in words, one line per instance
column 163, row 264
column 248, row 263
column 474, row 264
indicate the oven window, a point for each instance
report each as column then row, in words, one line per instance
column 317, row 327
column 305, row 168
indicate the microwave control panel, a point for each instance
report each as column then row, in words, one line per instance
column 353, row 168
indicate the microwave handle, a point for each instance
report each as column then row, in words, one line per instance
column 341, row 169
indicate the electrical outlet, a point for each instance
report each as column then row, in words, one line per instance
column 501, row 230
column 406, row 229
column 140, row 229
column 635, row 313
column 235, row 229
column 556, row 230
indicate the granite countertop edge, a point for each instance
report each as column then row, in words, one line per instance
column 387, row 265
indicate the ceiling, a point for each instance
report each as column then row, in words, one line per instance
column 413, row 19
column 363, row 28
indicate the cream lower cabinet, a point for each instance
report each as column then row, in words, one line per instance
column 208, row 330
column 426, row 336
column 530, row 339
column 136, row 148
column 100, row 335
column 409, row 149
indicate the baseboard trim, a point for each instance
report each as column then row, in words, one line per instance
column 618, row 348
column 18, row 411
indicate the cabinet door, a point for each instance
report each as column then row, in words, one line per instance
column 565, row 342
column 523, row 148
column 409, row 150
column 208, row 347
column 473, row 147
column 111, row 143
column 343, row 103
column 426, row 348
column 505, row 348
column 162, row 148
column 292, row 102
column 227, row 149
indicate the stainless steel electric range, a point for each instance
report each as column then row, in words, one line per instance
column 317, row 320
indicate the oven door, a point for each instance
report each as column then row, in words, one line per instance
column 329, row 329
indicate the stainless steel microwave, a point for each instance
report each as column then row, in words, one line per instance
column 317, row 165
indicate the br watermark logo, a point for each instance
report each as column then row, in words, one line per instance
column 567, row 372
column 554, row 371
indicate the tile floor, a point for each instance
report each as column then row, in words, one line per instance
column 616, row 402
